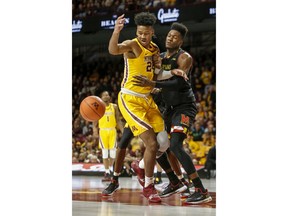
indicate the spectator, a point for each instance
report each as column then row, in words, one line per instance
column 210, row 163
column 197, row 132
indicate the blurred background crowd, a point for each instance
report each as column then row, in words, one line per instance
column 87, row 8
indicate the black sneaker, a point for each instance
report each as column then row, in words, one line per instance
column 107, row 177
column 172, row 189
column 112, row 187
column 198, row 197
column 158, row 181
column 185, row 193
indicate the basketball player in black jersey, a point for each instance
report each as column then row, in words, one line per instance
column 180, row 105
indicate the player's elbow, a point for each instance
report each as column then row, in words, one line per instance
column 113, row 50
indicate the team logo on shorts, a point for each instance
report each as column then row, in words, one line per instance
column 185, row 120
column 133, row 128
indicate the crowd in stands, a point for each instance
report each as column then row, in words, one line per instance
column 105, row 73
column 88, row 8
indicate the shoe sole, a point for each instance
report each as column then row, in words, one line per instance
column 179, row 190
column 208, row 199
column 184, row 196
column 110, row 193
column 154, row 201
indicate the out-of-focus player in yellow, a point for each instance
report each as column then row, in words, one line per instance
column 106, row 130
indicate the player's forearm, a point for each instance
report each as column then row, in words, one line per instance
column 169, row 84
column 113, row 44
column 163, row 75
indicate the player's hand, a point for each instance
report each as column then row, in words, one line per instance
column 119, row 23
column 143, row 81
column 156, row 60
column 179, row 72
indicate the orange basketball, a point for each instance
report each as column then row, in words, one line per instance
column 92, row 108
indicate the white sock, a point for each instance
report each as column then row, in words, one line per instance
column 180, row 176
column 107, row 171
column 148, row 181
column 141, row 164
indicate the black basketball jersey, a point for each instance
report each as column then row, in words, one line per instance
column 183, row 94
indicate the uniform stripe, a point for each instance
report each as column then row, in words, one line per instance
column 115, row 143
column 101, row 143
column 126, row 72
column 139, row 121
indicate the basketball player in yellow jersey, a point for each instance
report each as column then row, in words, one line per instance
column 135, row 103
column 106, row 128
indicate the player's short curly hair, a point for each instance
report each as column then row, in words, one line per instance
column 145, row 19
column 182, row 29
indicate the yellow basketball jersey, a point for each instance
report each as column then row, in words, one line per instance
column 109, row 119
column 142, row 65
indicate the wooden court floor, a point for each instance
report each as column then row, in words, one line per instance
column 87, row 199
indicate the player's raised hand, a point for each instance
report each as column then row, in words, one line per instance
column 119, row 23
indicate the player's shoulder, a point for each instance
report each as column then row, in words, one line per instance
column 185, row 55
column 153, row 46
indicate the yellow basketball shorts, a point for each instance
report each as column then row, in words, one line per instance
column 141, row 113
column 108, row 138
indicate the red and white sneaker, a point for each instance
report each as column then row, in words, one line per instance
column 151, row 194
column 140, row 172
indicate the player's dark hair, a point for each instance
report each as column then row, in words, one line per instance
column 145, row 19
column 182, row 29
column 101, row 93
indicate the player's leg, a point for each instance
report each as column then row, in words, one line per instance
column 118, row 163
column 103, row 142
column 135, row 109
column 112, row 148
column 201, row 194
column 175, row 185
column 177, row 169
column 158, row 177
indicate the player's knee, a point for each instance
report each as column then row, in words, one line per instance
column 104, row 153
column 112, row 153
column 163, row 141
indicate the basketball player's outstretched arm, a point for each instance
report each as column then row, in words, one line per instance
column 114, row 47
column 185, row 64
column 173, row 84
